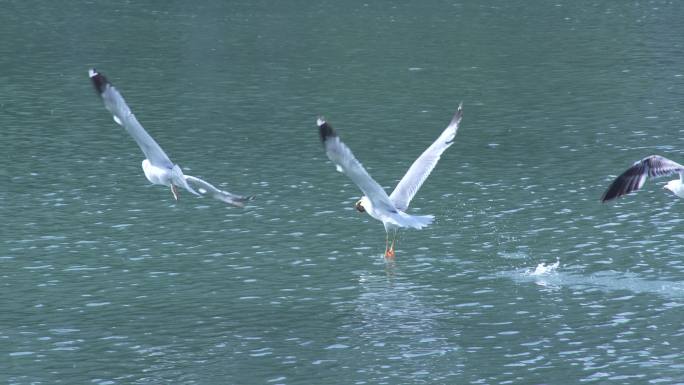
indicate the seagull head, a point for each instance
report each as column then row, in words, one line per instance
column 361, row 203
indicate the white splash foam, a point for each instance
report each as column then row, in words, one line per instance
column 544, row 269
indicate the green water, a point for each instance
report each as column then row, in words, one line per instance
column 106, row 280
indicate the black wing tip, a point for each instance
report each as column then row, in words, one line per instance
column 605, row 198
column 325, row 129
column 612, row 192
column 99, row 81
column 608, row 197
column 615, row 192
column 618, row 188
column 628, row 182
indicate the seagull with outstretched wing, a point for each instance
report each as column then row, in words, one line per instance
column 390, row 210
column 634, row 177
column 157, row 166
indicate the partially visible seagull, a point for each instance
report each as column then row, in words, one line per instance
column 389, row 209
column 158, row 167
column 634, row 177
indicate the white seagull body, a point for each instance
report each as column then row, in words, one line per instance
column 390, row 210
column 634, row 177
column 157, row 166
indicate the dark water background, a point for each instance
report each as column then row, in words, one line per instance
column 104, row 279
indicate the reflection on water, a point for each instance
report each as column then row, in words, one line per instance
column 400, row 332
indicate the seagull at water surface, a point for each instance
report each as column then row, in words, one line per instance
column 390, row 210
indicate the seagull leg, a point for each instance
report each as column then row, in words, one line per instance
column 394, row 239
column 174, row 191
column 389, row 253
column 386, row 244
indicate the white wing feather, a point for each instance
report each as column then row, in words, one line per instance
column 345, row 162
column 116, row 104
column 422, row 167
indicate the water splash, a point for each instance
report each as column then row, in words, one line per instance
column 544, row 269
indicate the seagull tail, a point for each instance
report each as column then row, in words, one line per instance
column 413, row 221
column 178, row 179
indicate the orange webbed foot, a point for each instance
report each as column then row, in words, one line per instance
column 389, row 254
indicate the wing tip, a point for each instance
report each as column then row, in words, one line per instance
column 241, row 201
column 325, row 129
column 99, row 81
column 628, row 182
column 458, row 115
column 609, row 194
column 622, row 185
column 615, row 192
column 605, row 198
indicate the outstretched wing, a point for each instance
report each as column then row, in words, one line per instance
column 116, row 104
column 345, row 162
column 422, row 167
column 205, row 187
column 635, row 177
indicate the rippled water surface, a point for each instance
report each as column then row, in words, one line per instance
column 524, row 278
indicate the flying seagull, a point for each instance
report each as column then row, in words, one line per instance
column 634, row 177
column 391, row 210
column 157, row 166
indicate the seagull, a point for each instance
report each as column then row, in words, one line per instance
column 391, row 210
column 157, row 166
column 634, row 177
